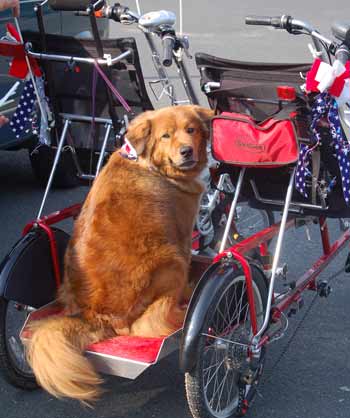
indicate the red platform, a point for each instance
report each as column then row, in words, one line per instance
column 124, row 356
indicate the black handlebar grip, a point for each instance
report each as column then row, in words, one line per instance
column 343, row 54
column 71, row 5
column 168, row 43
column 117, row 11
column 258, row 20
column 279, row 22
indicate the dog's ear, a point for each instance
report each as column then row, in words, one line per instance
column 139, row 131
column 205, row 115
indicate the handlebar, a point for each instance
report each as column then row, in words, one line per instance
column 296, row 27
column 280, row 22
column 117, row 11
column 168, row 43
column 342, row 54
column 159, row 22
column 286, row 22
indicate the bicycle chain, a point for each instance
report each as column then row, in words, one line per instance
column 297, row 328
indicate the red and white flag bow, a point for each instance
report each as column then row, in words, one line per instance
column 128, row 151
column 334, row 78
column 18, row 67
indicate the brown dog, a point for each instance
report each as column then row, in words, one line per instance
column 126, row 266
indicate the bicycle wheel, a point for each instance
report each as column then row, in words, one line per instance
column 12, row 352
column 224, row 379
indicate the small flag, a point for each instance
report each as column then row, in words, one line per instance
column 21, row 119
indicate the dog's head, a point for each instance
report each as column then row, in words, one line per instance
column 173, row 140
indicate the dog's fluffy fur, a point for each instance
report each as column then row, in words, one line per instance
column 126, row 266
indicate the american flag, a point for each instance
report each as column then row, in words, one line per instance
column 22, row 118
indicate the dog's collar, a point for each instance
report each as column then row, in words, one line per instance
column 128, row 151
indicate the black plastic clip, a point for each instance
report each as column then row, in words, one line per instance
column 347, row 264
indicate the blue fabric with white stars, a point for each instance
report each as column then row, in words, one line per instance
column 325, row 106
column 21, row 119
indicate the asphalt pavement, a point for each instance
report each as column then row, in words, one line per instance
column 311, row 379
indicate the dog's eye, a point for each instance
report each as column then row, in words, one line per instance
column 166, row 136
column 190, row 130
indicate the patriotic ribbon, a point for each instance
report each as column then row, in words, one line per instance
column 325, row 106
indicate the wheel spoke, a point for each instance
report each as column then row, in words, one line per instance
column 214, row 374
column 206, row 370
column 225, row 343
column 223, row 384
column 230, row 390
column 15, row 317
column 240, row 304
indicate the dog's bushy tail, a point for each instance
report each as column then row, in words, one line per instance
column 55, row 353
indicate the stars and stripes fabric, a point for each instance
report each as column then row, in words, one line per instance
column 22, row 118
column 325, row 106
column 302, row 170
column 341, row 148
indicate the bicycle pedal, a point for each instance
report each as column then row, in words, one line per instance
column 347, row 264
column 296, row 306
column 282, row 271
column 323, row 289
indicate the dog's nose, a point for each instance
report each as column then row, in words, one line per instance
column 186, row 151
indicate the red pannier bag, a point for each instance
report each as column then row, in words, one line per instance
column 237, row 139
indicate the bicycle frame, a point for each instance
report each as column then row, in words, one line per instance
column 276, row 308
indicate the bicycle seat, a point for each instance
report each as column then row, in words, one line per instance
column 153, row 20
column 341, row 31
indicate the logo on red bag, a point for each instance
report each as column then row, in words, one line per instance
column 252, row 146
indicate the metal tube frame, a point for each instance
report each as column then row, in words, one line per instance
column 276, row 257
column 54, row 166
column 295, row 205
column 44, row 224
column 232, row 210
column 185, row 78
column 103, row 149
column 68, row 118
column 168, row 88
column 67, row 58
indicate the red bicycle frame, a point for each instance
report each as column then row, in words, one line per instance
column 306, row 281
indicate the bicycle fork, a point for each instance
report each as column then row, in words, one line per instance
column 257, row 333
